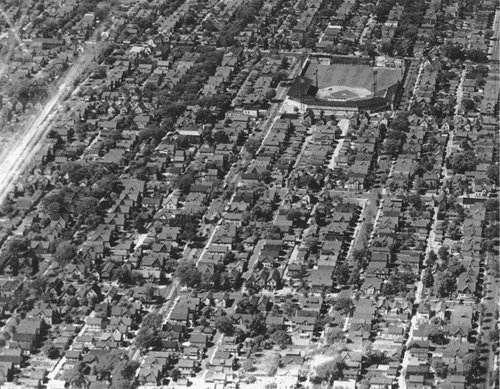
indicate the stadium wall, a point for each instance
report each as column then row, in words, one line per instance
column 371, row 104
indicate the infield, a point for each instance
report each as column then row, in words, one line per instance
column 350, row 82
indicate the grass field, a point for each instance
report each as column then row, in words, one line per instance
column 352, row 76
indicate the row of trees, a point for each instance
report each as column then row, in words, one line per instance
column 244, row 15
column 114, row 367
column 191, row 277
column 148, row 335
column 396, row 134
column 173, row 102
column 457, row 53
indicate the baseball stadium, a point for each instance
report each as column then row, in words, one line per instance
column 344, row 87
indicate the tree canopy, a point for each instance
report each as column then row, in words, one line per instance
column 464, row 162
column 252, row 145
column 281, row 338
column 225, row 325
column 330, row 371
column 188, row 274
column 148, row 335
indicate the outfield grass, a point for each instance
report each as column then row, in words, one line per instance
column 352, row 76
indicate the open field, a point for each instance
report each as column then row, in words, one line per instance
column 352, row 77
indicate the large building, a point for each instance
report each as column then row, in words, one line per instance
column 343, row 85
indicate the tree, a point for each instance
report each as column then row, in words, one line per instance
column 38, row 287
column 149, row 293
column 358, row 255
column 391, row 147
column 100, row 72
column 444, row 253
column 447, row 285
column 225, row 325
column 149, row 338
column 386, row 47
column 284, row 63
column 477, row 55
column 182, row 142
column 76, row 376
column 398, row 283
column 345, row 305
column 266, row 176
column 453, row 52
column 106, row 186
column 152, row 320
column 432, row 258
column 188, row 274
column 220, row 137
column 494, row 335
column 101, row 12
column 289, row 309
column 148, row 335
column 271, row 94
column 122, row 275
column 271, row 364
column 472, row 365
column 354, row 278
column 65, row 252
column 436, row 335
column 494, row 266
column 488, row 245
column 50, row 351
column 400, row 123
column 151, row 135
column 281, row 338
column 256, row 324
column 441, row 369
column 455, row 267
column 294, row 215
column 185, row 181
column 53, row 209
column 123, row 374
column 278, row 77
column 137, row 278
column 376, row 357
column 342, row 273
column 107, row 362
column 189, row 231
column 87, row 209
column 312, row 244
column 468, row 104
column 488, row 34
column 334, row 335
column 493, row 173
column 252, row 145
column 175, row 373
column 229, row 257
column 462, row 162
column 330, row 371
column 18, row 246
column 428, row 279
